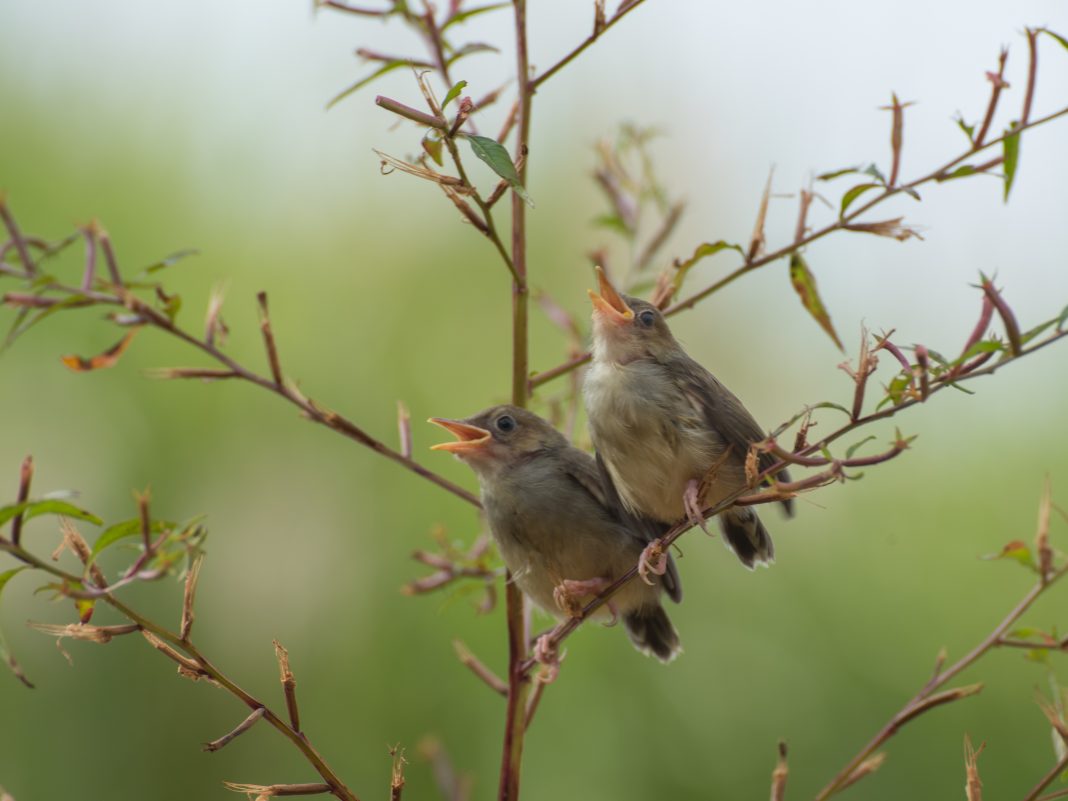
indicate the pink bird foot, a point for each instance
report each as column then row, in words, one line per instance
column 546, row 655
column 653, row 560
column 691, row 501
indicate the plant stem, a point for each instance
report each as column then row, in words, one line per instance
column 518, row 682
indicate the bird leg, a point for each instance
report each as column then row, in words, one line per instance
column 691, row 501
column 653, row 560
column 568, row 593
column 545, row 654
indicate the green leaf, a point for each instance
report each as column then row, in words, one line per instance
column 432, row 146
column 1062, row 319
column 453, row 93
column 171, row 259
column 1057, row 36
column 470, row 50
column 702, row 251
column 123, row 530
column 874, row 172
column 389, row 66
column 896, row 391
column 969, row 130
column 856, row 446
column 962, row 171
column 32, row 509
column 7, row 575
column 805, row 284
column 1010, row 149
column 463, row 16
column 613, row 222
column 493, row 153
column 830, row 176
column 1018, row 551
column 853, row 194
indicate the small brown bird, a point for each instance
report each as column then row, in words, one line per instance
column 557, row 533
column 672, row 439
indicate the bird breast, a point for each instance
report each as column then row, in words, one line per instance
column 650, row 437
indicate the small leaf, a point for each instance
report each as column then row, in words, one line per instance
column 969, row 130
column 702, row 251
column 830, row 176
column 612, row 222
column 7, row 575
column 127, row 528
column 805, row 284
column 167, row 261
column 463, row 16
column 469, row 50
column 962, row 171
column 1010, row 148
column 494, row 154
column 856, row 446
column 32, row 509
column 432, row 146
column 1018, row 551
column 1062, row 319
column 389, row 66
column 874, row 172
column 853, row 194
column 453, row 93
column 108, row 358
column 1057, row 36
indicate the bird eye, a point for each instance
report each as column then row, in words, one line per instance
column 647, row 318
column 505, row 423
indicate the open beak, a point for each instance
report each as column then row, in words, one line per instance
column 468, row 438
column 608, row 303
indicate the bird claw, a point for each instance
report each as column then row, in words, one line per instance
column 546, row 655
column 653, row 560
column 691, row 501
column 567, row 594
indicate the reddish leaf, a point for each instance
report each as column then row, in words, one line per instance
column 108, row 358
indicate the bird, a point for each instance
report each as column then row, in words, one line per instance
column 671, row 439
column 559, row 535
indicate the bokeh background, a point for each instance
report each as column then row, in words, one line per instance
column 202, row 124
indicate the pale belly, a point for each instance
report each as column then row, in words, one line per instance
column 652, row 454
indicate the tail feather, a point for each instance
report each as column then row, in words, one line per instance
column 650, row 629
column 746, row 536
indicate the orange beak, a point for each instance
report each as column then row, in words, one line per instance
column 468, row 438
column 608, row 303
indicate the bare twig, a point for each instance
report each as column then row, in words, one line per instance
column 240, row 729
column 25, row 479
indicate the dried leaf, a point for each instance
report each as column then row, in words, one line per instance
column 108, row 358
column 805, row 284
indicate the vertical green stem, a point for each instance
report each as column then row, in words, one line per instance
column 518, row 683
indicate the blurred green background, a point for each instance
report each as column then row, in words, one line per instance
column 202, row 125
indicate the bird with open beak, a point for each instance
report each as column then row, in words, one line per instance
column 561, row 539
column 672, row 439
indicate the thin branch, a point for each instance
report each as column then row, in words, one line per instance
column 192, row 660
column 1047, row 780
column 25, row 479
column 268, row 339
column 598, row 31
column 240, row 729
column 688, row 303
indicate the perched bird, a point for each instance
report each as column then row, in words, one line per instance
column 672, row 439
column 559, row 536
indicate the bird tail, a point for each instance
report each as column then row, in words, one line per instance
column 746, row 536
column 652, row 633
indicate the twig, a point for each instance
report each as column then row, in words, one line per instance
column 598, row 31
column 241, row 728
column 192, row 662
column 476, row 666
column 1047, row 780
column 688, row 303
column 289, row 685
column 268, row 339
column 25, row 479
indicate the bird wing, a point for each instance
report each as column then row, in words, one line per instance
column 643, row 528
column 723, row 412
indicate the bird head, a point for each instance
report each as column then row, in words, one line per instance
column 626, row 329
column 498, row 438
